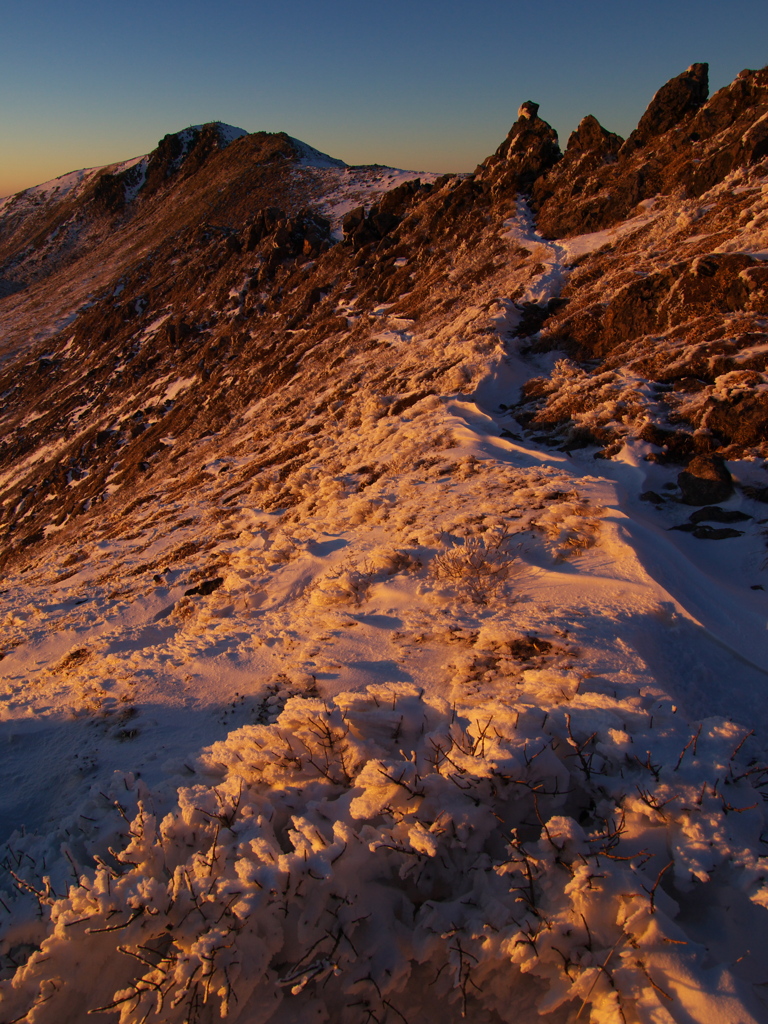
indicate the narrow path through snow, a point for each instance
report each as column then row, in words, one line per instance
column 710, row 647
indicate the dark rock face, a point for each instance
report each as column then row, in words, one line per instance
column 383, row 217
column 706, row 481
column 167, row 158
column 110, row 192
column 556, row 195
column 675, row 101
column 716, row 283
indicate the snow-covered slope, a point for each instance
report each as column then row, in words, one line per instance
column 338, row 683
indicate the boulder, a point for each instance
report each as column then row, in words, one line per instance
column 705, row 532
column 715, row 514
column 706, row 481
column 353, row 220
column 205, row 588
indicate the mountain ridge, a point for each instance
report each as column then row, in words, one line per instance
column 291, row 237
column 384, row 584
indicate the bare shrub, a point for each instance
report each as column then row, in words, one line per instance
column 478, row 567
column 569, row 528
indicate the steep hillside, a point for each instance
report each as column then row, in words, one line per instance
column 383, row 579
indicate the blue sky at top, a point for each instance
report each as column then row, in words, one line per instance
column 424, row 84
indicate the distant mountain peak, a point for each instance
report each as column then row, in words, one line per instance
column 226, row 133
column 176, row 146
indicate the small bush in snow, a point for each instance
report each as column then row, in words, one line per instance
column 569, row 527
column 478, row 567
column 340, row 585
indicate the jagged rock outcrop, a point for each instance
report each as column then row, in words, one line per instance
column 682, row 298
column 672, row 104
column 557, row 195
column 696, row 144
column 530, row 149
column 361, row 229
column 307, row 234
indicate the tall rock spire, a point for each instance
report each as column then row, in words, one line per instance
column 530, row 149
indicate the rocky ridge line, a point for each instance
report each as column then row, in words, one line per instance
column 244, row 290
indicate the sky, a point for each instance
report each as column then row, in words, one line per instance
column 420, row 84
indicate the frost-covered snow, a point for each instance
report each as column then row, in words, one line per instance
column 66, row 186
column 229, row 133
column 383, row 723
column 311, row 157
column 373, row 840
column 57, row 188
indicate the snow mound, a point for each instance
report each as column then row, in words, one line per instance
column 386, row 851
column 310, row 157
